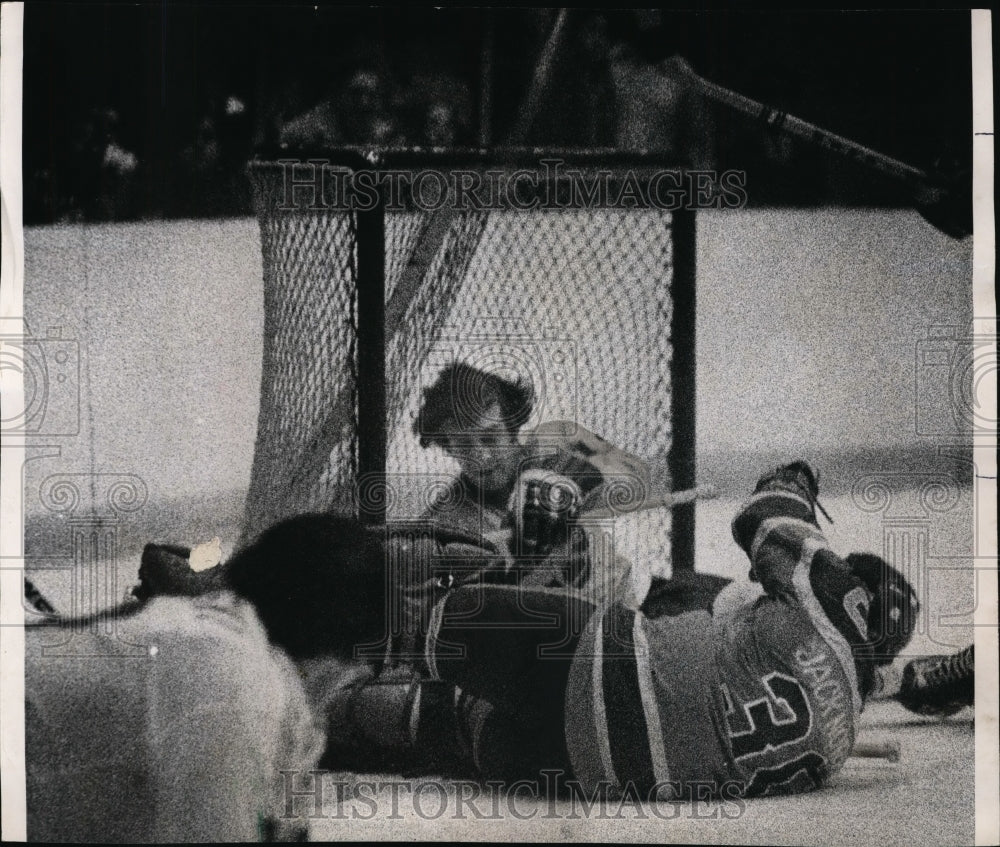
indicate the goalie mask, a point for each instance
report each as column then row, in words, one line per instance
column 892, row 614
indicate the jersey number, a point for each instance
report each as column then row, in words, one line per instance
column 782, row 718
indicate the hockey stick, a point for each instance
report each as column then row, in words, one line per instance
column 587, row 453
column 439, row 224
column 654, row 500
column 539, row 82
column 877, row 748
column 942, row 205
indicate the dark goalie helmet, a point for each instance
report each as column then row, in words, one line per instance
column 892, row 615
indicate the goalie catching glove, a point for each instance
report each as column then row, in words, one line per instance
column 543, row 504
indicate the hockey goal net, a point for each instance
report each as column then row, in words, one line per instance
column 367, row 300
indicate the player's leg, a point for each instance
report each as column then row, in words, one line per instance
column 510, row 645
column 398, row 722
column 422, row 726
column 510, row 648
column 868, row 602
column 499, row 658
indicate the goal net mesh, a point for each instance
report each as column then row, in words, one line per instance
column 575, row 300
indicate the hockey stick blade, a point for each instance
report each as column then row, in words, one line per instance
column 877, row 748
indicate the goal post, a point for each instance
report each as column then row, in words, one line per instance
column 571, row 270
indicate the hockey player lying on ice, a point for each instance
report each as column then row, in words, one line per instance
column 751, row 688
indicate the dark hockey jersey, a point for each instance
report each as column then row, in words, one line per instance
column 762, row 698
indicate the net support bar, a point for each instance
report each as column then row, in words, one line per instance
column 682, row 386
column 371, row 384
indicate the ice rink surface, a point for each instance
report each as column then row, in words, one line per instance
column 816, row 360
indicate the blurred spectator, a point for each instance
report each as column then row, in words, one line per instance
column 658, row 110
column 438, row 110
column 360, row 114
column 104, row 181
column 200, row 170
column 579, row 99
column 599, row 107
column 441, row 126
column 315, row 129
column 208, row 174
column 235, row 129
column 203, row 156
column 365, row 110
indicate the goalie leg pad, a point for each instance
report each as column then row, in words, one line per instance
column 397, row 724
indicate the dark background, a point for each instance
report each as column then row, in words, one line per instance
column 155, row 79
